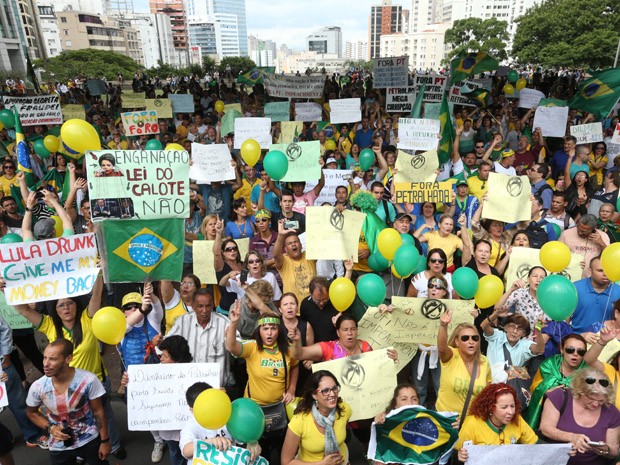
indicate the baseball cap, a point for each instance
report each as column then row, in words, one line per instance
column 132, row 298
column 262, row 213
column 403, row 215
column 331, row 160
column 45, row 229
column 461, row 182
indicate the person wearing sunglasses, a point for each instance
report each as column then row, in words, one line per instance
column 177, row 303
column 8, row 177
column 256, row 269
column 585, row 416
column 265, row 238
column 435, row 268
column 553, row 372
column 444, row 239
column 227, row 260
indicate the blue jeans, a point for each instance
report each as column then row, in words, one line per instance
column 115, row 435
column 17, row 404
column 176, row 457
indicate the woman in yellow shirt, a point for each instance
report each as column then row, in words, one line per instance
column 444, row 239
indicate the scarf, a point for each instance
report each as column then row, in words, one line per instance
column 331, row 443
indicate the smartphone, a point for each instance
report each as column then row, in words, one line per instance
column 243, row 277
column 290, row 224
column 596, row 444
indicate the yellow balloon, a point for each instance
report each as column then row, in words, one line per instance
column 174, row 147
column 389, row 241
column 124, row 145
column 78, row 136
column 330, row 145
column 1, row 126
column 290, row 407
column 57, row 225
column 555, row 256
column 219, row 106
column 490, row 289
column 610, row 259
column 250, row 151
column 212, row 409
column 521, row 84
column 109, row 325
column 51, row 143
column 396, row 275
column 509, row 89
column 342, row 293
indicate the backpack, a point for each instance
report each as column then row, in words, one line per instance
column 537, row 233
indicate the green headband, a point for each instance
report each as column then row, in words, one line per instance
column 269, row 321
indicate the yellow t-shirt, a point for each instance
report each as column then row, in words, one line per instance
column 484, row 433
column 614, row 377
column 362, row 264
column 266, row 382
column 312, row 442
column 7, row 183
column 454, row 382
column 245, row 191
column 477, row 186
column 296, row 275
column 448, row 244
column 86, row 355
column 175, row 311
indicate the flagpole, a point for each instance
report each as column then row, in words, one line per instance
column 617, row 53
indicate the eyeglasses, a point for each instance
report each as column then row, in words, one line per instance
column 262, row 220
column 8, row 167
column 66, row 304
column 435, row 286
column 326, row 391
column 188, row 284
column 131, row 306
column 231, row 249
column 602, row 382
column 253, row 262
column 513, row 327
column 465, row 337
column 572, row 350
column 437, row 260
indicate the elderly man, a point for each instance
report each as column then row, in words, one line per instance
column 585, row 240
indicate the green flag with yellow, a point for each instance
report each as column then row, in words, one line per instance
column 599, row 94
column 464, row 64
column 446, row 131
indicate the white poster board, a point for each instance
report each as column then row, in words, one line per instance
column 346, row 110
column 211, row 163
column 258, row 129
column 418, row 133
column 551, row 121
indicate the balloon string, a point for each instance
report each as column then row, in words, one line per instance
column 121, row 356
column 610, row 288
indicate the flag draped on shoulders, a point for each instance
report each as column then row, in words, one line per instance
column 464, row 64
column 599, row 94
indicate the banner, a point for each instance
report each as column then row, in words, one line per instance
column 50, row 269
column 204, row 261
column 346, row 110
column 156, row 393
column 96, row 87
column 308, row 112
column 390, row 72
column 182, row 103
column 416, row 168
column 138, row 184
column 522, row 259
column 530, row 98
column 418, row 134
column 133, row 100
column 10, row 315
column 432, row 110
column 162, row 106
column 331, row 235
column 455, row 92
column 39, row 109
column 303, row 160
column 290, row 131
column 518, row 454
column 140, row 123
column 211, row 163
column 551, row 121
column 367, row 381
column 258, row 129
column 278, row 111
column 208, row 454
column 294, row 86
column 512, row 191
column 418, row 192
column 333, row 179
column 587, row 133
column 71, row 111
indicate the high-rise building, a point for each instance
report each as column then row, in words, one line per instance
column 425, row 48
column 327, row 40
column 12, row 55
column 356, row 50
column 232, row 18
column 384, row 19
column 175, row 10
column 262, row 52
column 49, row 29
column 202, row 34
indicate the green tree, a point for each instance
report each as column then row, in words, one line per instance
column 87, row 62
column 359, row 64
column 568, row 33
column 478, row 35
column 208, row 64
column 237, row 65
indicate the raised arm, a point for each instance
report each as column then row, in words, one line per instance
column 94, row 303
column 27, row 234
column 593, row 353
column 312, row 352
column 218, row 262
column 445, row 352
column 317, row 189
column 278, row 257
column 67, row 224
column 232, row 345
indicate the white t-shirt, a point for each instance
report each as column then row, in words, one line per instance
column 510, row 171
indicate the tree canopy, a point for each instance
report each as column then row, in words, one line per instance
column 237, row 65
column 478, row 35
column 568, row 33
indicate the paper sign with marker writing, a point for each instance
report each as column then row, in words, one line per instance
column 253, row 128
column 233, row 106
column 333, row 179
column 522, row 259
column 390, row 72
column 294, row 86
column 615, row 138
column 211, row 163
column 551, row 121
column 162, row 106
column 138, row 184
column 530, row 98
column 10, row 315
column 508, row 190
column 331, row 235
column 587, row 133
column 156, row 393
column 204, row 261
column 416, row 168
column 208, row 454
column 49, row 269
column 290, row 131
column 71, row 111
column 131, row 100
column 418, row 192
column 346, row 110
column 303, row 160
column 278, row 111
column 518, row 454
column 308, row 111
column 367, row 381
column 182, row 103
column 140, row 123
column 609, row 350
column 33, row 110
column 417, row 133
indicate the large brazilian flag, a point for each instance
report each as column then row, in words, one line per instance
column 599, row 94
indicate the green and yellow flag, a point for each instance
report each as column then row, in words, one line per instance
column 465, row 64
column 446, row 131
column 255, row 76
column 552, row 102
column 599, row 94
column 479, row 96
column 416, row 109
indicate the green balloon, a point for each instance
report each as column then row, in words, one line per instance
column 55, row 131
column 377, row 262
column 406, row 259
column 8, row 118
column 465, row 282
column 371, row 289
column 367, row 159
column 10, row 238
column 247, row 421
column 40, row 149
column 421, row 266
column 513, row 76
column 407, row 239
column 557, row 297
column 276, row 164
column 153, row 144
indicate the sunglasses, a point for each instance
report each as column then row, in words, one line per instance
column 231, row 249
column 602, row 382
column 262, row 220
column 572, row 350
column 435, row 286
column 326, row 391
column 437, row 260
column 131, row 306
column 465, row 337
column 8, row 167
column 479, row 146
column 253, row 262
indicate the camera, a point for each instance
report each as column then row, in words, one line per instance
column 66, row 429
column 290, row 224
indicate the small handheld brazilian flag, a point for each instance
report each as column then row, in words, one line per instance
column 465, row 64
column 22, row 151
column 599, row 94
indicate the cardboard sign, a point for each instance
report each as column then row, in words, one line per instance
column 331, row 235
column 182, row 103
column 131, row 100
column 281, row 86
column 40, row 109
column 258, row 129
column 418, row 192
column 390, row 72
column 418, row 134
column 346, row 110
column 551, row 121
column 204, row 261
column 420, row 167
column 211, row 163
column 512, row 191
column 162, row 106
column 303, row 160
column 140, row 123
column 587, row 133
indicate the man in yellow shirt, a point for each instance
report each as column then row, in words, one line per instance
column 247, row 184
column 478, row 184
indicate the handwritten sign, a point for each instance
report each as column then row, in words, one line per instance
column 417, row 192
column 455, row 92
column 508, row 190
column 162, row 106
column 530, row 98
column 518, row 454
column 290, row 131
column 144, row 184
column 615, row 138
column 551, row 120
column 522, row 259
column 609, row 351
column 331, row 235
column 211, row 163
column 10, row 315
column 418, row 134
column 278, row 111
column 131, row 100
column 139, row 123
column 294, row 86
column 416, row 168
column 71, row 111
column 156, row 393
column 39, row 109
column 346, row 110
column 233, row 106
column 49, row 269
column 182, row 103
column 308, row 111
column 333, row 179
column 367, row 381
column 390, row 72
column 587, row 133
column 303, row 160
column 432, row 110
column 253, row 128
column 204, row 261
column 208, row 454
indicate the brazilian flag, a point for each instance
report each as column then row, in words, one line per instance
column 479, row 96
column 446, row 131
column 255, row 75
column 413, row 435
column 465, row 64
column 599, row 94
column 416, row 110
column 139, row 249
column 23, row 151
column 552, row 102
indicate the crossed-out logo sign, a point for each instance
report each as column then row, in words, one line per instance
column 353, row 374
column 417, row 161
column 293, row 151
column 523, row 271
column 432, row 309
column 514, row 187
column 337, row 220
column 158, row 102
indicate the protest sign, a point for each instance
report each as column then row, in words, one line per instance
column 39, row 109
column 182, row 103
column 416, row 168
column 587, row 133
column 156, row 393
column 204, row 261
column 418, row 134
column 140, row 123
column 417, row 192
column 399, row 99
column 331, row 235
column 390, row 72
column 615, row 138
column 211, row 163
column 162, row 106
column 432, row 110
column 10, row 315
column 551, row 120
column 233, row 106
column 138, row 184
column 303, row 160
column 367, row 381
column 244, row 246
column 278, row 111
column 455, row 96
column 522, row 259
column 518, row 454
column 346, row 110
column 290, row 131
column 333, row 179
column 308, row 111
column 133, row 100
column 253, row 128
column 435, row 86
column 208, row 454
column 530, row 98
column 71, row 111
column 609, row 350
column 508, row 190
column 49, row 269
column 96, row 87
column 294, row 86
